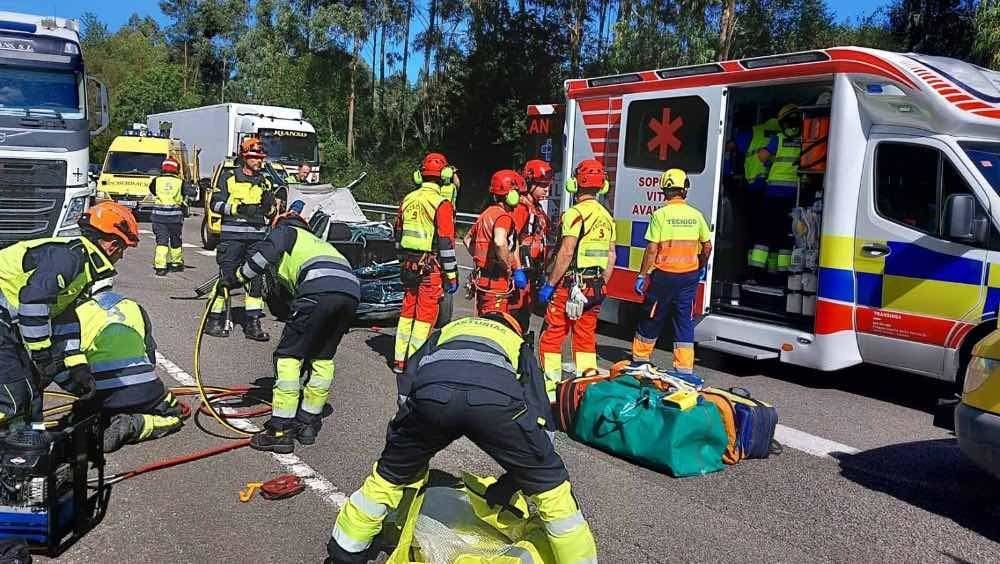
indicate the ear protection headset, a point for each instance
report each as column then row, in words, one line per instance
column 572, row 186
column 446, row 175
column 512, row 198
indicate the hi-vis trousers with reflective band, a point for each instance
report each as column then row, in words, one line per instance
column 556, row 328
column 142, row 424
column 417, row 317
column 670, row 296
column 309, row 340
column 168, row 251
column 230, row 255
column 431, row 420
column 771, row 234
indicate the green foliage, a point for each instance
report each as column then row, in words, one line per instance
column 481, row 62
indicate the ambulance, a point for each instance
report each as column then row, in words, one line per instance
column 895, row 256
column 132, row 162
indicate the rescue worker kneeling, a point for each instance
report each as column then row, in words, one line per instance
column 324, row 299
column 115, row 335
column 493, row 244
column 679, row 247
column 476, row 378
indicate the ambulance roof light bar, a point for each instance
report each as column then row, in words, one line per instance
column 789, row 59
column 695, row 70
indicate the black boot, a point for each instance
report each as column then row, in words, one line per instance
column 337, row 555
column 279, row 439
column 216, row 325
column 160, row 271
column 308, row 427
column 252, row 330
column 176, row 268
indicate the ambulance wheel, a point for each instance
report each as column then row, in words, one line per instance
column 209, row 240
column 445, row 310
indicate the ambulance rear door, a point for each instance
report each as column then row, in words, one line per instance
column 660, row 130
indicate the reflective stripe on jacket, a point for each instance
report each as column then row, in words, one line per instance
column 168, row 196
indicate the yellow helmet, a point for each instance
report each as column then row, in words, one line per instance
column 674, row 179
column 787, row 110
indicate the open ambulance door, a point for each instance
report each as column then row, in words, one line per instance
column 683, row 129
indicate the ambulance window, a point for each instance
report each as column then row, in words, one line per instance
column 667, row 133
column 906, row 185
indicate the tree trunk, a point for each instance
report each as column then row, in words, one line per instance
column 381, row 67
column 351, row 100
column 430, row 39
column 374, row 54
column 578, row 12
column 727, row 30
column 602, row 18
column 405, row 83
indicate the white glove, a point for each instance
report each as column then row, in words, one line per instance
column 575, row 303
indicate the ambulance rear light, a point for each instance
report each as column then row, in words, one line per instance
column 690, row 71
column 613, row 80
column 779, row 60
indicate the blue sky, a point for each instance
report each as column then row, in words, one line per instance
column 116, row 12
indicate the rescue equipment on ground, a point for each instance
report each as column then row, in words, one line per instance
column 754, row 422
column 281, row 487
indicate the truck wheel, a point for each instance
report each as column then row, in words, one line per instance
column 209, row 240
column 445, row 310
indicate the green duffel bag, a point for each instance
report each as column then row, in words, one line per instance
column 628, row 419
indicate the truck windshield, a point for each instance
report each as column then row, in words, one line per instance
column 39, row 92
column 134, row 163
column 986, row 157
column 291, row 147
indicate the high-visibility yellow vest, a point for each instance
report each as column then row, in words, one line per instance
column 680, row 230
column 785, row 168
column 13, row 276
column 419, row 210
column 168, row 199
column 753, row 168
column 594, row 228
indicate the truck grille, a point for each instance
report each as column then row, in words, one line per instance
column 30, row 216
column 32, row 172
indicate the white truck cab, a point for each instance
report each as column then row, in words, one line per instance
column 894, row 226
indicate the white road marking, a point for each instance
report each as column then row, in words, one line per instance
column 145, row 232
column 206, row 253
column 315, row 481
column 463, row 267
column 189, row 246
column 810, row 444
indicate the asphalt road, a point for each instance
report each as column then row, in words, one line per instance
column 864, row 476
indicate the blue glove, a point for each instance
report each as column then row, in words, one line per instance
column 520, row 279
column 452, row 286
column 640, row 284
column 545, row 294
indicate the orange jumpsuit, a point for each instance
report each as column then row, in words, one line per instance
column 425, row 238
column 494, row 288
column 594, row 229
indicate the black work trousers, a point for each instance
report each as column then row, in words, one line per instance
column 438, row 414
column 167, row 234
column 229, row 255
column 16, row 389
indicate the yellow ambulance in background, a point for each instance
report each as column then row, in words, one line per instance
column 131, row 163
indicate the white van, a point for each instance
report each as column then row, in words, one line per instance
column 899, row 264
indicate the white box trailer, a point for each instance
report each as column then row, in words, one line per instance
column 905, row 268
column 216, row 132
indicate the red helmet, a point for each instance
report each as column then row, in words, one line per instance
column 170, row 165
column 504, row 181
column 433, row 164
column 590, row 174
column 110, row 218
column 537, row 171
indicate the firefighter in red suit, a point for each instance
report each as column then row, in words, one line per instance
column 493, row 243
column 425, row 239
column 582, row 268
column 532, row 225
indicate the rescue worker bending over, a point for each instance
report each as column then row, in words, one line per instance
column 679, row 247
column 325, row 296
column 115, row 335
column 245, row 204
column 425, row 238
column 475, row 378
column 493, row 244
column 39, row 280
column 776, row 166
column 167, row 217
column 532, row 224
column 582, row 267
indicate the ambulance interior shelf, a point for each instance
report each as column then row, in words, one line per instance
column 784, row 296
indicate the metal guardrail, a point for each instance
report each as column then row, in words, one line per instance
column 385, row 211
